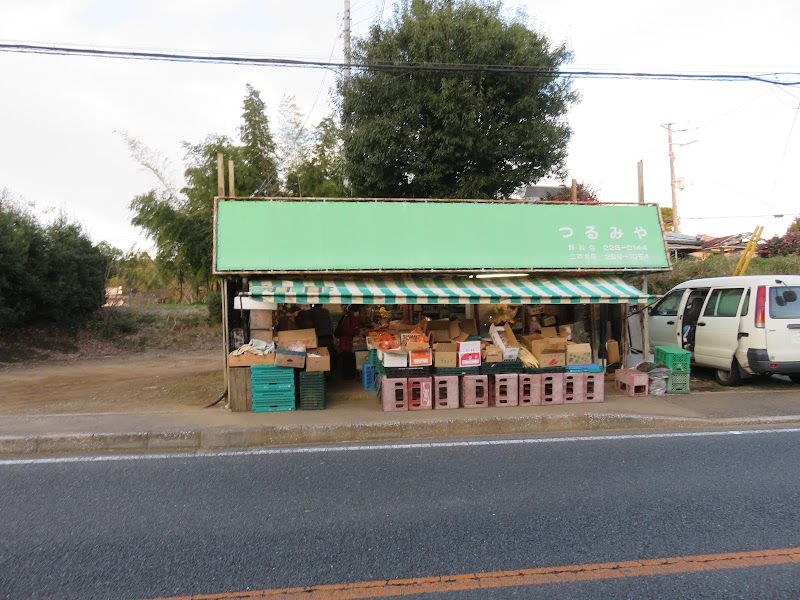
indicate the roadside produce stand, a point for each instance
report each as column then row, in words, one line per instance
column 467, row 303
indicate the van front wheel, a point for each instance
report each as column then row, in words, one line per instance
column 730, row 378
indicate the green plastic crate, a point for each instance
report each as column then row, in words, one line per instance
column 678, row 383
column 674, row 358
column 312, row 390
column 501, row 367
column 449, row 371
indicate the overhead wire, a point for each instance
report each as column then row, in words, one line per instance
column 769, row 78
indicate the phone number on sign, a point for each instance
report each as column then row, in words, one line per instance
column 622, row 248
column 626, row 256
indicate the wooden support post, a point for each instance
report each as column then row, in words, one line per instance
column 645, row 325
column 240, row 394
column 574, row 195
column 226, row 334
column 231, row 181
column 220, row 175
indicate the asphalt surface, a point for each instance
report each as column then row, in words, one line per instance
column 149, row 527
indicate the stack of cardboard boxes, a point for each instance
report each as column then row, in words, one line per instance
column 297, row 348
column 552, row 347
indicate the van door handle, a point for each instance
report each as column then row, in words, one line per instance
column 793, row 326
column 673, row 323
column 701, row 324
column 743, row 334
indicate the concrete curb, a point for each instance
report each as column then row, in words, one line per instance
column 267, row 436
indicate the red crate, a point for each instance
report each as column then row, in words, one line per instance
column 474, row 391
column 394, row 393
column 552, row 388
column 445, row 391
column 631, row 382
column 595, row 386
column 573, row 387
column 504, row 389
column 530, row 389
column 420, row 393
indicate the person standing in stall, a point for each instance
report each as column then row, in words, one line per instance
column 347, row 329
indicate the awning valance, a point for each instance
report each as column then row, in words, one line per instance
column 450, row 290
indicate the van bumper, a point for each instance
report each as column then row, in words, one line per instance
column 759, row 362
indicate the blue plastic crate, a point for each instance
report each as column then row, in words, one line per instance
column 369, row 378
column 584, row 368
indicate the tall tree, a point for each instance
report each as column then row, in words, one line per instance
column 258, row 172
column 320, row 174
column 293, row 137
column 181, row 223
column 456, row 131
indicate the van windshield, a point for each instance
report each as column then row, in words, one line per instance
column 784, row 302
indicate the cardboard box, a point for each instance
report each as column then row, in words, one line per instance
column 579, row 354
column 289, row 358
column 442, row 328
column 566, row 330
column 548, row 332
column 439, row 335
column 468, row 359
column 319, row 359
column 261, row 319
column 469, row 347
column 249, row 360
column 307, row 336
column 416, row 346
column 395, row 358
column 445, row 355
column 398, row 327
column 420, row 358
column 505, row 339
column 549, row 354
column 468, row 326
column 492, row 353
column 361, row 358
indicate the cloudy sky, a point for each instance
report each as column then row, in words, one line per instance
column 737, row 144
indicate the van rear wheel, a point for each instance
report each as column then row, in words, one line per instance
column 731, row 377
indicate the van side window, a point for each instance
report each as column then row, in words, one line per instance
column 668, row 307
column 723, row 303
column 746, row 305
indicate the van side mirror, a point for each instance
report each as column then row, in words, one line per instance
column 789, row 296
column 650, row 310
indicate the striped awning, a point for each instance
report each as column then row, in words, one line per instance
column 449, row 290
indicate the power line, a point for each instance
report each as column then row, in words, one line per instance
column 778, row 216
column 793, row 79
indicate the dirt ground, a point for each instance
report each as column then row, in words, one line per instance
column 165, row 359
column 153, row 381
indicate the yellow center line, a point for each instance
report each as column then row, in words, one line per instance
column 522, row 577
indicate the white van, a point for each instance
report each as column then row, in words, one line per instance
column 738, row 326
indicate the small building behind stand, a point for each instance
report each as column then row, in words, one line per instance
column 563, row 277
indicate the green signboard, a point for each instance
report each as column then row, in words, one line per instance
column 269, row 236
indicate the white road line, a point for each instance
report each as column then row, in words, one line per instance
column 377, row 446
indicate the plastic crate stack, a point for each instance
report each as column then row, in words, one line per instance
column 312, row 390
column 369, row 378
column 273, row 388
column 678, row 361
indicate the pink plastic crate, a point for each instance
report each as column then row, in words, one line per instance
column 574, row 389
column 394, row 393
column 552, row 388
column 504, row 390
column 474, row 391
column 631, row 382
column 595, row 387
column 420, row 393
column 445, row 391
column 530, row 389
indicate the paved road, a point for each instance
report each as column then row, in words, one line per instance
column 181, row 525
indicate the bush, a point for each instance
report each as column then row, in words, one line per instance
column 214, row 303
column 788, row 245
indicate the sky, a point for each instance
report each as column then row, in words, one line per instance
column 63, row 118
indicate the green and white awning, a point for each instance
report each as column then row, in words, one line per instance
column 449, row 290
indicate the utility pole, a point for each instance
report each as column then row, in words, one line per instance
column 347, row 39
column 675, row 221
